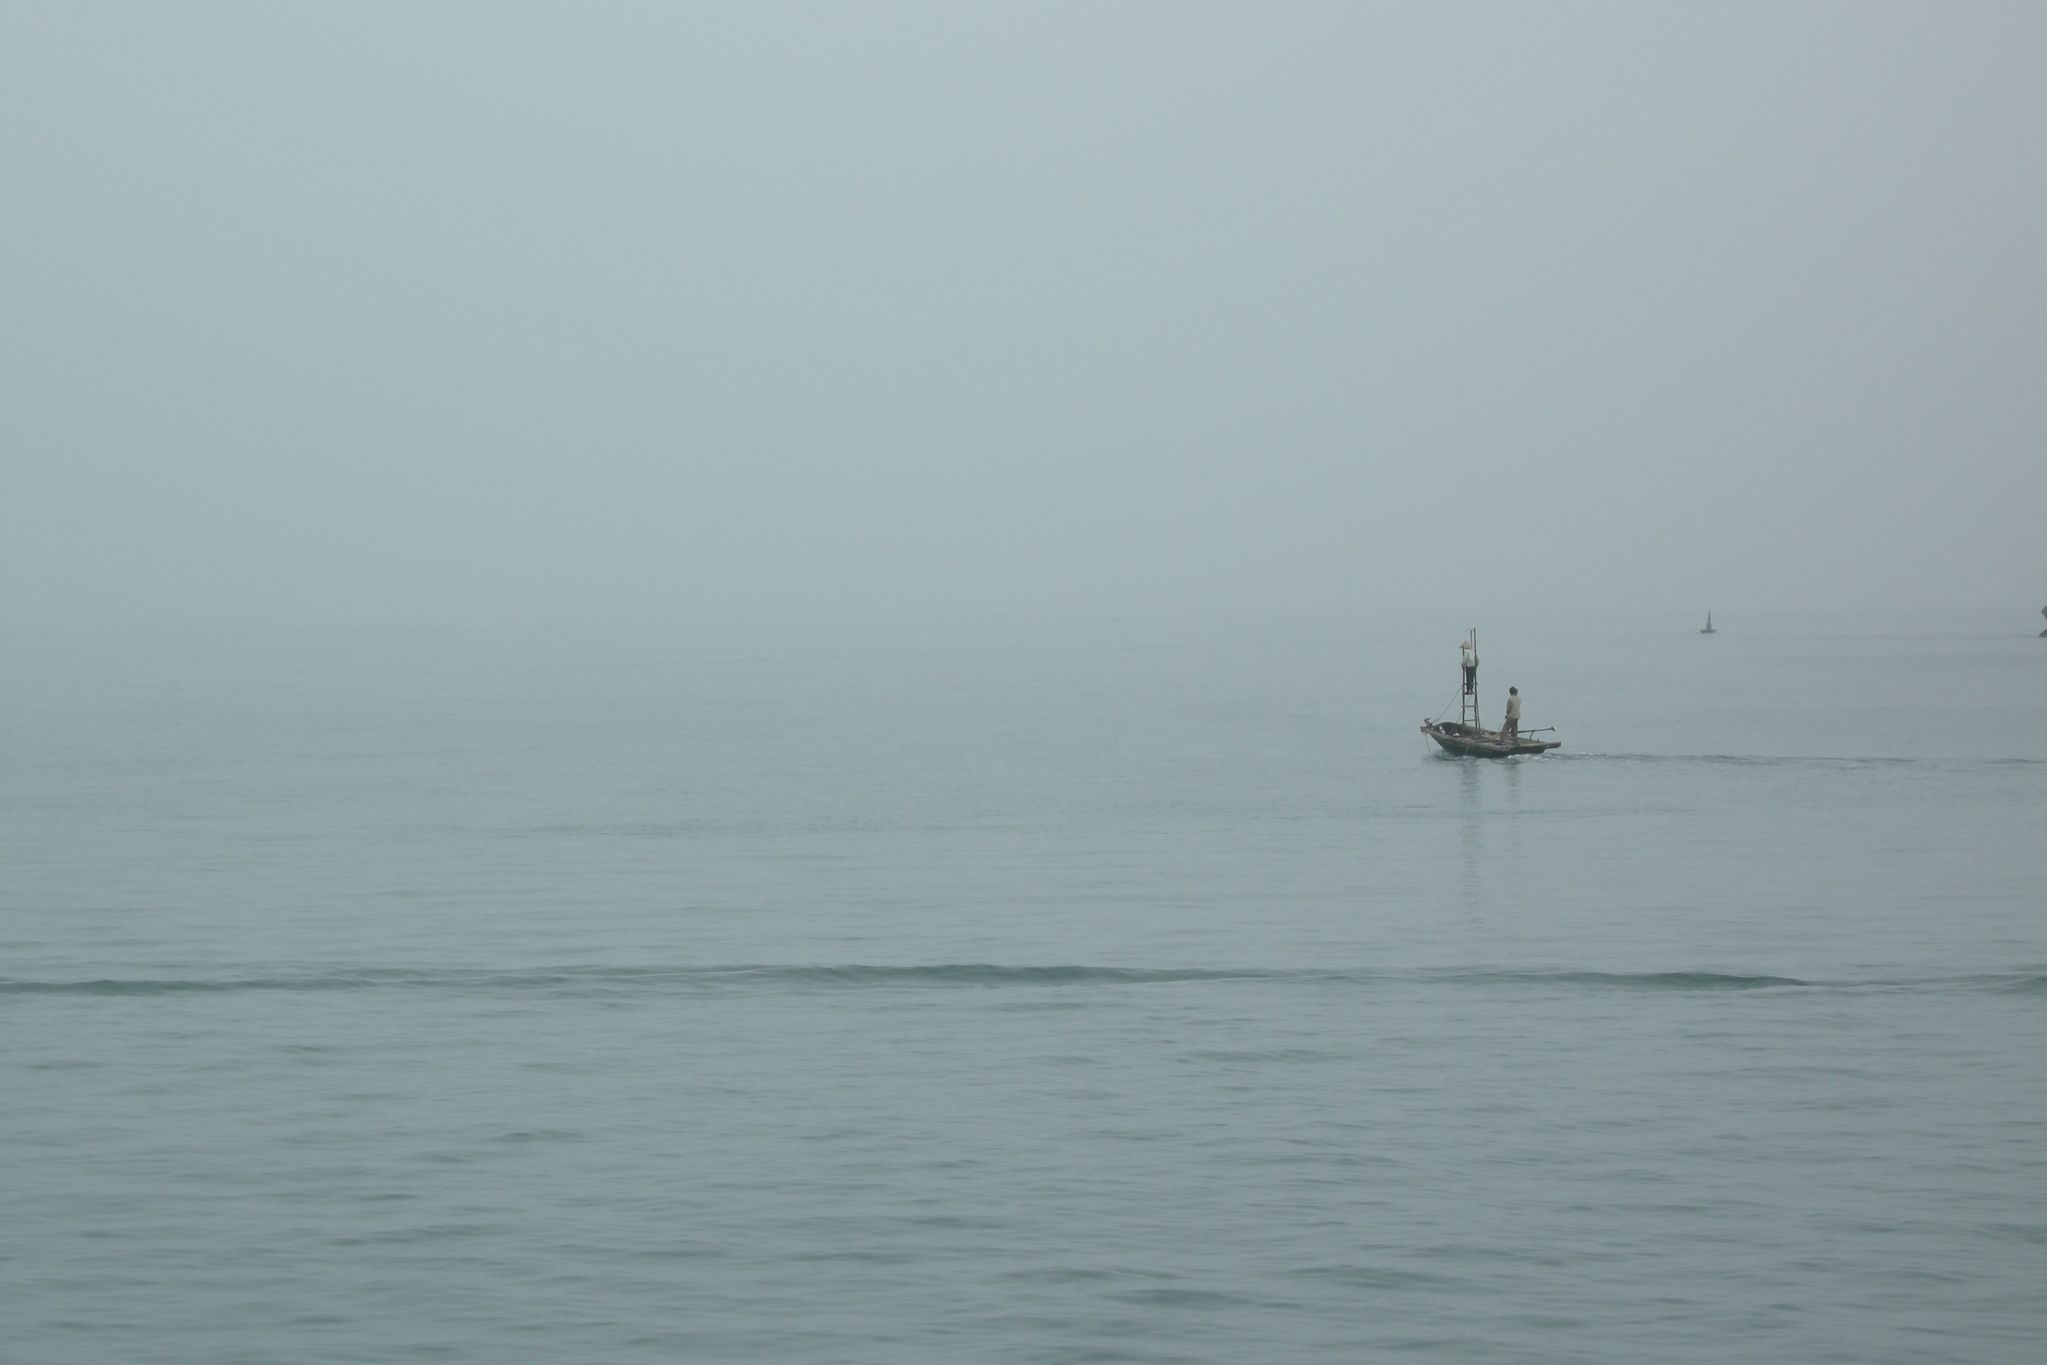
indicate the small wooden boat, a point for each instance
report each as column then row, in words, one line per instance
column 1468, row 741
column 1465, row 737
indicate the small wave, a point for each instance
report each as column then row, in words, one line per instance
column 988, row 974
column 851, row 976
column 586, row 980
column 1653, row 981
column 181, row 985
column 1372, row 1277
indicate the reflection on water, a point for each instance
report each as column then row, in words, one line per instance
column 1490, row 840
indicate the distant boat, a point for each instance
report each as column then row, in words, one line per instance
column 1466, row 738
column 2043, row 634
column 1709, row 625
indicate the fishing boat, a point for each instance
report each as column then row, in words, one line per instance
column 1709, row 624
column 1466, row 738
column 1468, row 741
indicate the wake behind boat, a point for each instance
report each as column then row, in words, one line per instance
column 1466, row 738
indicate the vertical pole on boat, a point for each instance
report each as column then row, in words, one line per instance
column 1467, row 687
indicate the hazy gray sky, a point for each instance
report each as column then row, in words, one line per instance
column 604, row 312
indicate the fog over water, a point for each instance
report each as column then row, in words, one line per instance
column 509, row 314
column 740, row 683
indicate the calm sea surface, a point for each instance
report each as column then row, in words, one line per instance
column 1115, row 991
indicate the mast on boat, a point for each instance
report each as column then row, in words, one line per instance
column 1467, row 684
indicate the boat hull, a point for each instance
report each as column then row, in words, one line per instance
column 1467, row 742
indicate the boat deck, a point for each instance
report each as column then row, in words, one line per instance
column 1468, row 741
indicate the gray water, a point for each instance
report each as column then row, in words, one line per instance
column 1044, row 991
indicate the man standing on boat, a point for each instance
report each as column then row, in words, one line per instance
column 1512, row 724
column 1470, row 668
